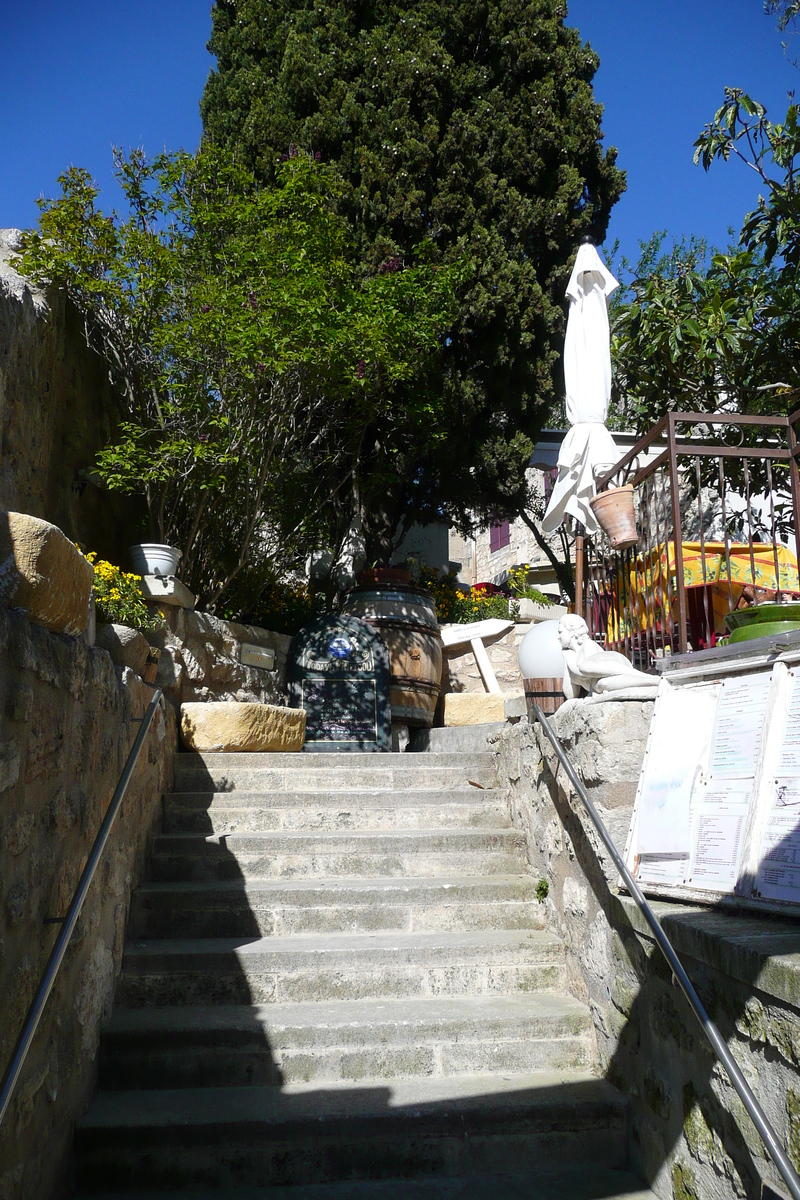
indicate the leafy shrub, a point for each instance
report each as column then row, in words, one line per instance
column 285, row 607
column 118, row 597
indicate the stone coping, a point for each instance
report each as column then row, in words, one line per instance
column 761, row 951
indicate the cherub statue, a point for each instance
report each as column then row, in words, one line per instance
column 602, row 673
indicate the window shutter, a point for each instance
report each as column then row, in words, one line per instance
column 499, row 536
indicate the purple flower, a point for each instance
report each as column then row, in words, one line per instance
column 284, row 157
column 360, row 369
column 206, row 308
column 203, row 437
column 318, row 155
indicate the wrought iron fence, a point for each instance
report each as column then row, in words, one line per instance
column 717, row 509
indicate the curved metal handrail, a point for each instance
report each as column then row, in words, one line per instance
column 73, row 912
column 745, row 1093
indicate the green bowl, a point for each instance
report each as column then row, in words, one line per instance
column 761, row 614
column 759, row 629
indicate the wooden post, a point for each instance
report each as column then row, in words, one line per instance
column 579, row 573
column 677, row 533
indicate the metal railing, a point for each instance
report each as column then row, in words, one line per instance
column 717, row 499
column 743, row 1089
column 69, row 921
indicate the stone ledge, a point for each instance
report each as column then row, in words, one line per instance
column 760, row 951
column 167, row 589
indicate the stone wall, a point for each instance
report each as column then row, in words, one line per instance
column 57, row 409
column 690, row 1135
column 200, row 659
column 67, row 722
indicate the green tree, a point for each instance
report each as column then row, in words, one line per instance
column 473, row 127
column 249, row 353
column 720, row 331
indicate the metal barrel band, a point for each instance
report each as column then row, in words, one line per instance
column 740, row 1084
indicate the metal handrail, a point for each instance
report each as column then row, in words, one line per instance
column 73, row 912
column 746, row 1095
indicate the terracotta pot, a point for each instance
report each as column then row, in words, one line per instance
column 372, row 575
column 615, row 514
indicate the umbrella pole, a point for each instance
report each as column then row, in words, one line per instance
column 579, row 571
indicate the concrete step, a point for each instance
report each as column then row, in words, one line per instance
column 566, row 1184
column 302, row 1134
column 287, row 854
column 355, row 1040
column 339, row 967
column 301, row 772
column 224, row 812
column 277, row 907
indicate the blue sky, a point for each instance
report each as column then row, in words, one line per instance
column 81, row 75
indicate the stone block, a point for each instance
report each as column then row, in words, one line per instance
column 43, row 572
column 228, row 725
column 127, row 647
column 481, row 708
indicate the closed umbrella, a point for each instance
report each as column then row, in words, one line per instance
column 588, row 450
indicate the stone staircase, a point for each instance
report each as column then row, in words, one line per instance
column 338, row 984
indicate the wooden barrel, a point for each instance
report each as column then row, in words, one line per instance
column 547, row 693
column 405, row 617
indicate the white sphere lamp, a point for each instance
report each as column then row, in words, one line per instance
column 540, row 653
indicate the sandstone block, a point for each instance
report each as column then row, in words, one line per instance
column 43, row 572
column 482, row 708
column 227, row 725
column 127, row 647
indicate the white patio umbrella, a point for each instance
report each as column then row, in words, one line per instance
column 588, row 450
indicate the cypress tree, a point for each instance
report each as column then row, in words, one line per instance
column 468, row 127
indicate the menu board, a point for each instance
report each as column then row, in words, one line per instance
column 717, row 810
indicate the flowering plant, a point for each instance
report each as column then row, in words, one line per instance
column 455, row 605
column 518, row 582
column 119, row 598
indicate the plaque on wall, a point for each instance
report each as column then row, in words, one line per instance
column 339, row 673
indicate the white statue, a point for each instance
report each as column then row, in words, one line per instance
column 604, row 674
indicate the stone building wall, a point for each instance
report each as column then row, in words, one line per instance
column 691, row 1138
column 57, row 409
column 67, row 723
column 480, row 565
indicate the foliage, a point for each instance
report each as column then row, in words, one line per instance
column 473, row 126
column 691, row 334
column 285, row 606
column 251, row 353
column 720, row 332
column 542, row 890
column 119, row 597
column 519, row 586
column 456, row 605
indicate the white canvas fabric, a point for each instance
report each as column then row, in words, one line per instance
column 588, row 449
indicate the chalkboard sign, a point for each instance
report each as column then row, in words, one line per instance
column 339, row 673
